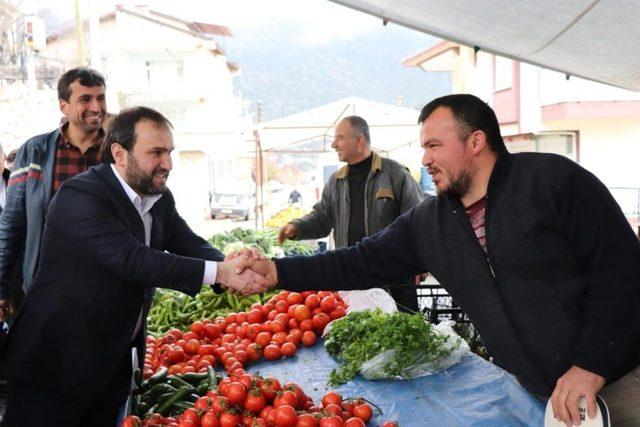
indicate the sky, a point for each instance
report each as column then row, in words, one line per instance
column 321, row 20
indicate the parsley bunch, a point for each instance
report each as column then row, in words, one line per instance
column 359, row 336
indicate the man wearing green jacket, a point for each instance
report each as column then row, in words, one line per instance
column 361, row 198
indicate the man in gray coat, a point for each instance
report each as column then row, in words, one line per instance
column 361, row 198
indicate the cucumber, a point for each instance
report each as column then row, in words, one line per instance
column 194, row 378
column 179, row 395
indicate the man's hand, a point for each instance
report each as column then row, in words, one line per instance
column 235, row 275
column 573, row 385
column 250, row 252
column 7, row 309
column 265, row 269
column 288, row 231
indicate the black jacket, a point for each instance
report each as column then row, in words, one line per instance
column 561, row 283
column 94, row 276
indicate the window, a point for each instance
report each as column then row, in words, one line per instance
column 164, row 73
column 503, row 73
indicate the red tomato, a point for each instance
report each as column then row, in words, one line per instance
column 177, row 333
column 269, row 388
column 209, row 419
column 288, row 349
column 190, row 415
column 306, row 325
column 312, row 301
column 268, row 308
column 271, row 352
column 263, row 339
column 293, row 323
column 228, row 419
column 255, row 316
column 390, row 424
column 279, row 338
column 306, row 420
column 295, row 298
column 186, row 423
column 192, row 347
column 285, row 416
column 320, row 320
column 308, row 338
column 363, row 411
column 254, row 352
column 331, row 397
column 282, row 306
column 337, row 313
column 131, row 421
column 206, row 349
column 197, row 328
column 354, row 422
column 332, row 421
column 255, row 401
column 302, row 312
column 333, row 409
column 278, row 326
column 175, row 354
column 203, row 404
column 286, row 398
column 212, row 331
column 327, row 304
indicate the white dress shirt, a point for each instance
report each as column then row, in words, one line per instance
column 143, row 205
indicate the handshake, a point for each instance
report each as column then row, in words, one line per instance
column 247, row 272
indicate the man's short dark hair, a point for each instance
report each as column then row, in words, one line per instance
column 470, row 114
column 85, row 76
column 360, row 127
column 122, row 129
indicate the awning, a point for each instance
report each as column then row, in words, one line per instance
column 594, row 39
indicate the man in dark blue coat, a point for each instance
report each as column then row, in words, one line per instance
column 111, row 235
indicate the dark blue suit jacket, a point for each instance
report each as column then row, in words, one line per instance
column 94, row 276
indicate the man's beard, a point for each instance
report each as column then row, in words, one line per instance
column 89, row 128
column 141, row 182
column 459, row 186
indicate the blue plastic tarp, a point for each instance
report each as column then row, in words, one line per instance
column 471, row 393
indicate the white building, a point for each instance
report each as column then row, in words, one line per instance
column 177, row 67
column 542, row 110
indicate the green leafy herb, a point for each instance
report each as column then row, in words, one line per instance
column 360, row 336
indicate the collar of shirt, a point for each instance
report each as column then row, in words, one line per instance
column 142, row 204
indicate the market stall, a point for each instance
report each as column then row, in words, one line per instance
column 471, row 393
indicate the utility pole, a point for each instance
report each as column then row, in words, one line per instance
column 94, row 36
column 79, row 34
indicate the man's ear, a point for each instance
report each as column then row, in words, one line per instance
column 64, row 107
column 478, row 141
column 119, row 154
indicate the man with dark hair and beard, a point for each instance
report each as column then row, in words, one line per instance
column 41, row 165
column 111, row 235
column 531, row 246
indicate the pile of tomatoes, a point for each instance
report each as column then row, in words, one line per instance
column 252, row 401
column 272, row 331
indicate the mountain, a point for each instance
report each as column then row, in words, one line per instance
column 288, row 75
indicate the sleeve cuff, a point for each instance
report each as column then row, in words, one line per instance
column 210, row 271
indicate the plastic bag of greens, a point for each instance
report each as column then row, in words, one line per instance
column 419, row 363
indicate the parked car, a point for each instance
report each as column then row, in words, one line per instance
column 232, row 205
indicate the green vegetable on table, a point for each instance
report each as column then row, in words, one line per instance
column 360, row 336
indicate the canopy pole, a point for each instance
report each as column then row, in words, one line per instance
column 259, row 194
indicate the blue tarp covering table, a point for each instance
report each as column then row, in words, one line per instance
column 471, row 393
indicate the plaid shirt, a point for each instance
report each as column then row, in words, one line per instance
column 70, row 161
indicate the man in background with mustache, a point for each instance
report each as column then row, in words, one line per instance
column 42, row 164
column 360, row 199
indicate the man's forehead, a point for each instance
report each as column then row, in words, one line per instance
column 78, row 88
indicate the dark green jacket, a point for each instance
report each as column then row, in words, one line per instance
column 389, row 191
